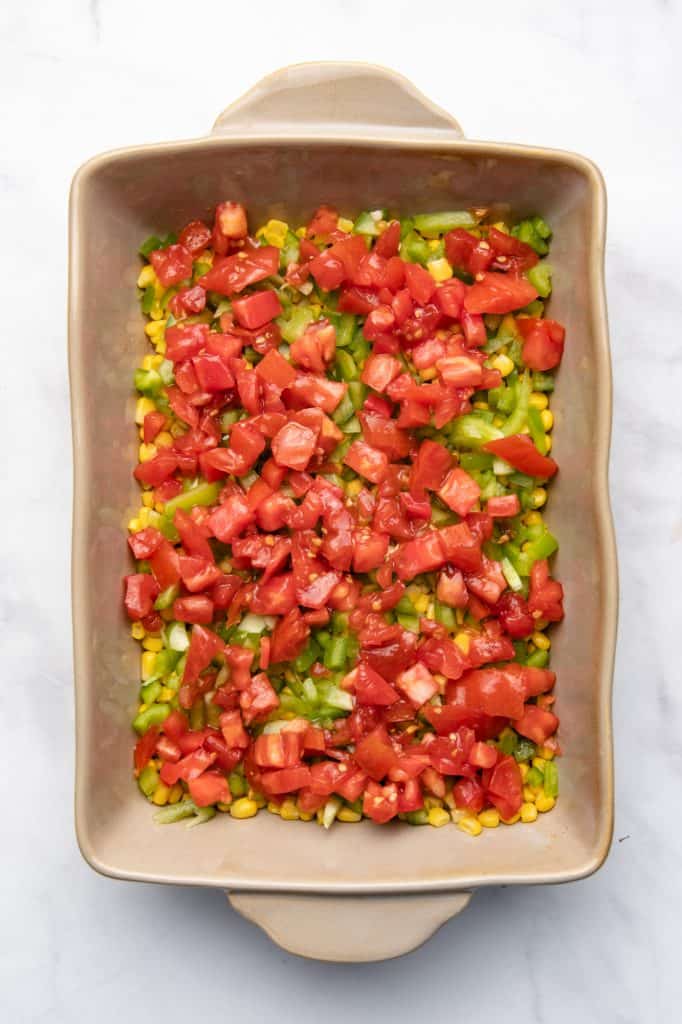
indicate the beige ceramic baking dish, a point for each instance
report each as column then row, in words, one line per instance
column 358, row 137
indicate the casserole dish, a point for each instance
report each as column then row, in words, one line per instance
column 357, row 137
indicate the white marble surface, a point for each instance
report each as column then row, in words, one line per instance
column 81, row 76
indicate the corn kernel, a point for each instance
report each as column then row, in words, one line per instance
column 542, row 642
column 166, row 694
column 546, row 752
column 273, row 807
column 143, row 514
column 146, row 452
column 529, row 812
column 147, row 664
column 160, row 346
column 223, row 807
column 134, row 525
column 300, row 232
column 489, row 818
column 504, row 364
column 538, row 497
column 305, row 815
column 142, row 707
column 547, row 419
column 529, row 794
column 524, row 769
column 548, row 443
column 137, row 630
column 421, row 604
column 156, row 362
column 175, row 793
column 481, row 405
column 429, row 374
column 438, row 817
column 142, row 407
column 470, row 825
column 147, row 276
column 148, row 499
column 343, row 224
column 154, row 330
column 152, row 643
column 440, row 270
column 274, row 232
column 147, row 361
column 511, row 821
column 533, row 519
column 538, row 400
column 164, row 440
column 353, row 488
column 463, row 642
column 544, row 803
column 289, row 810
column 244, row 808
column 160, row 795
column 348, row 814
column 498, row 421
column 432, row 801
column 539, row 763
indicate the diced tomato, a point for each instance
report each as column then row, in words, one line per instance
column 546, row 595
column 145, row 542
column 423, row 554
column 196, row 609
column 495, row 691
column 175, row 725
column 212, row 373
column 420, row 284
column 482, row 755
column 230, row 224
column 289, row 637
column 384, row 434
column 230, row 518
column 315, row 348
column 309, row 389
column 451, row 589
column 450, row 298
column 153, row 423
column 536, row 724
column 189, row 767
column 157, row 469
column 367, row 461
column 233, row 274
column 513, row 612
column 172, row 265
column 488, row 582
column 459, row 491
column 469, row 795
column 195, row 237
column 520, row 452
column 499, row 293
column 369, row 550
column 543, row 344
column 323, row 222
column 417, row 684
column 204, row 645
column 286, row 780
column 503, row 507
column 258, row 699
column 258, row 309
column 474, row 328
column 510, row 253
column 380, row 803
column 141, row 590
column 210, row 788
column 232, row 728
column 371, row 688
column 375, row 754
column 505, row 788
column 429, row 468
column 144, row 749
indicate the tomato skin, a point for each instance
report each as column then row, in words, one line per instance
column 375, row 754
column 289, row 637
column 469, row 795
column 196, row 609
column 367, row 461
column 380, row 370
column 520, row 452
column 423, row 554
column 157, row 469
column 513, row 612
column 232, row 274
column 498, row 293
column 495, row 691
column 429, row 468
column 195, row 237
column 145, row 542
column 258, row 699
column 505, row 788
column 144, row 749
column 171, row 265
column 371, row 688
column 230, row 518
column 503, row 507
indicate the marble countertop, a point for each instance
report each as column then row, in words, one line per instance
column 82, row 76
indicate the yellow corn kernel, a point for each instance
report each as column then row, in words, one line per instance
column 142, row 407
column 498, row 421
column 137, row 630
column 154, row 330
column 273, row 807
column 432, row 801
column 348, row 814
column 538, row 400
column 160, row 346
column 440, row 270
column 481, row 405
column 164, row 439
column 142, row 707
column 544, row 803
column 146, row 452
column 524, row 769
column 300, row 232
column 429, row 374
column 548, row 443
column 529, row 812
column 166, row 694
column 134, row 525
column 344, row 224
column 305, row 815
column 175, row 793
column 438, row 817
column 159, row 507
column 160, row 795
column 147, row 664
column 547, row 419
column 542, row 642
column 289, row 810
column 152, row 643
column 147, row 276
column 143, row 514
column 177, row 429
column 459, row 616
column 258, row 799
column 244, row 808
column 275, row 232
column 504, row 364
column 489, row 818
column 511, row 821
column 538, row 497
column 353, row 488
column 421, row 604
column 223, row 807
column 533, row 519
column 470, row 825
column 546, row 752
column 529, row 794
column 463, row 642
column 147, row 361
column 156, row 362
column 539, row 763
column 148, row 499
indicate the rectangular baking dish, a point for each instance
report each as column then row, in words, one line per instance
column 358, row 137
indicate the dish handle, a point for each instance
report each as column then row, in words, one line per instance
column 337, row 98
column 348, row 929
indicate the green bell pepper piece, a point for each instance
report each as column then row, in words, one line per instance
column 537, row 431
column 346, row 365
column 148, row 382
column 150, row 691
column 538, row 659
column 433, row 224
column 525, row 749
column 335, row 653
column 166, row 598
column 367, row 224
column 414, row 249
column 148, row 779
column 155, row 714
column 540, row 276
column 551, row 779
column 472, row 431
column 516, row 421
column 357, row 392
column 202, row 494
